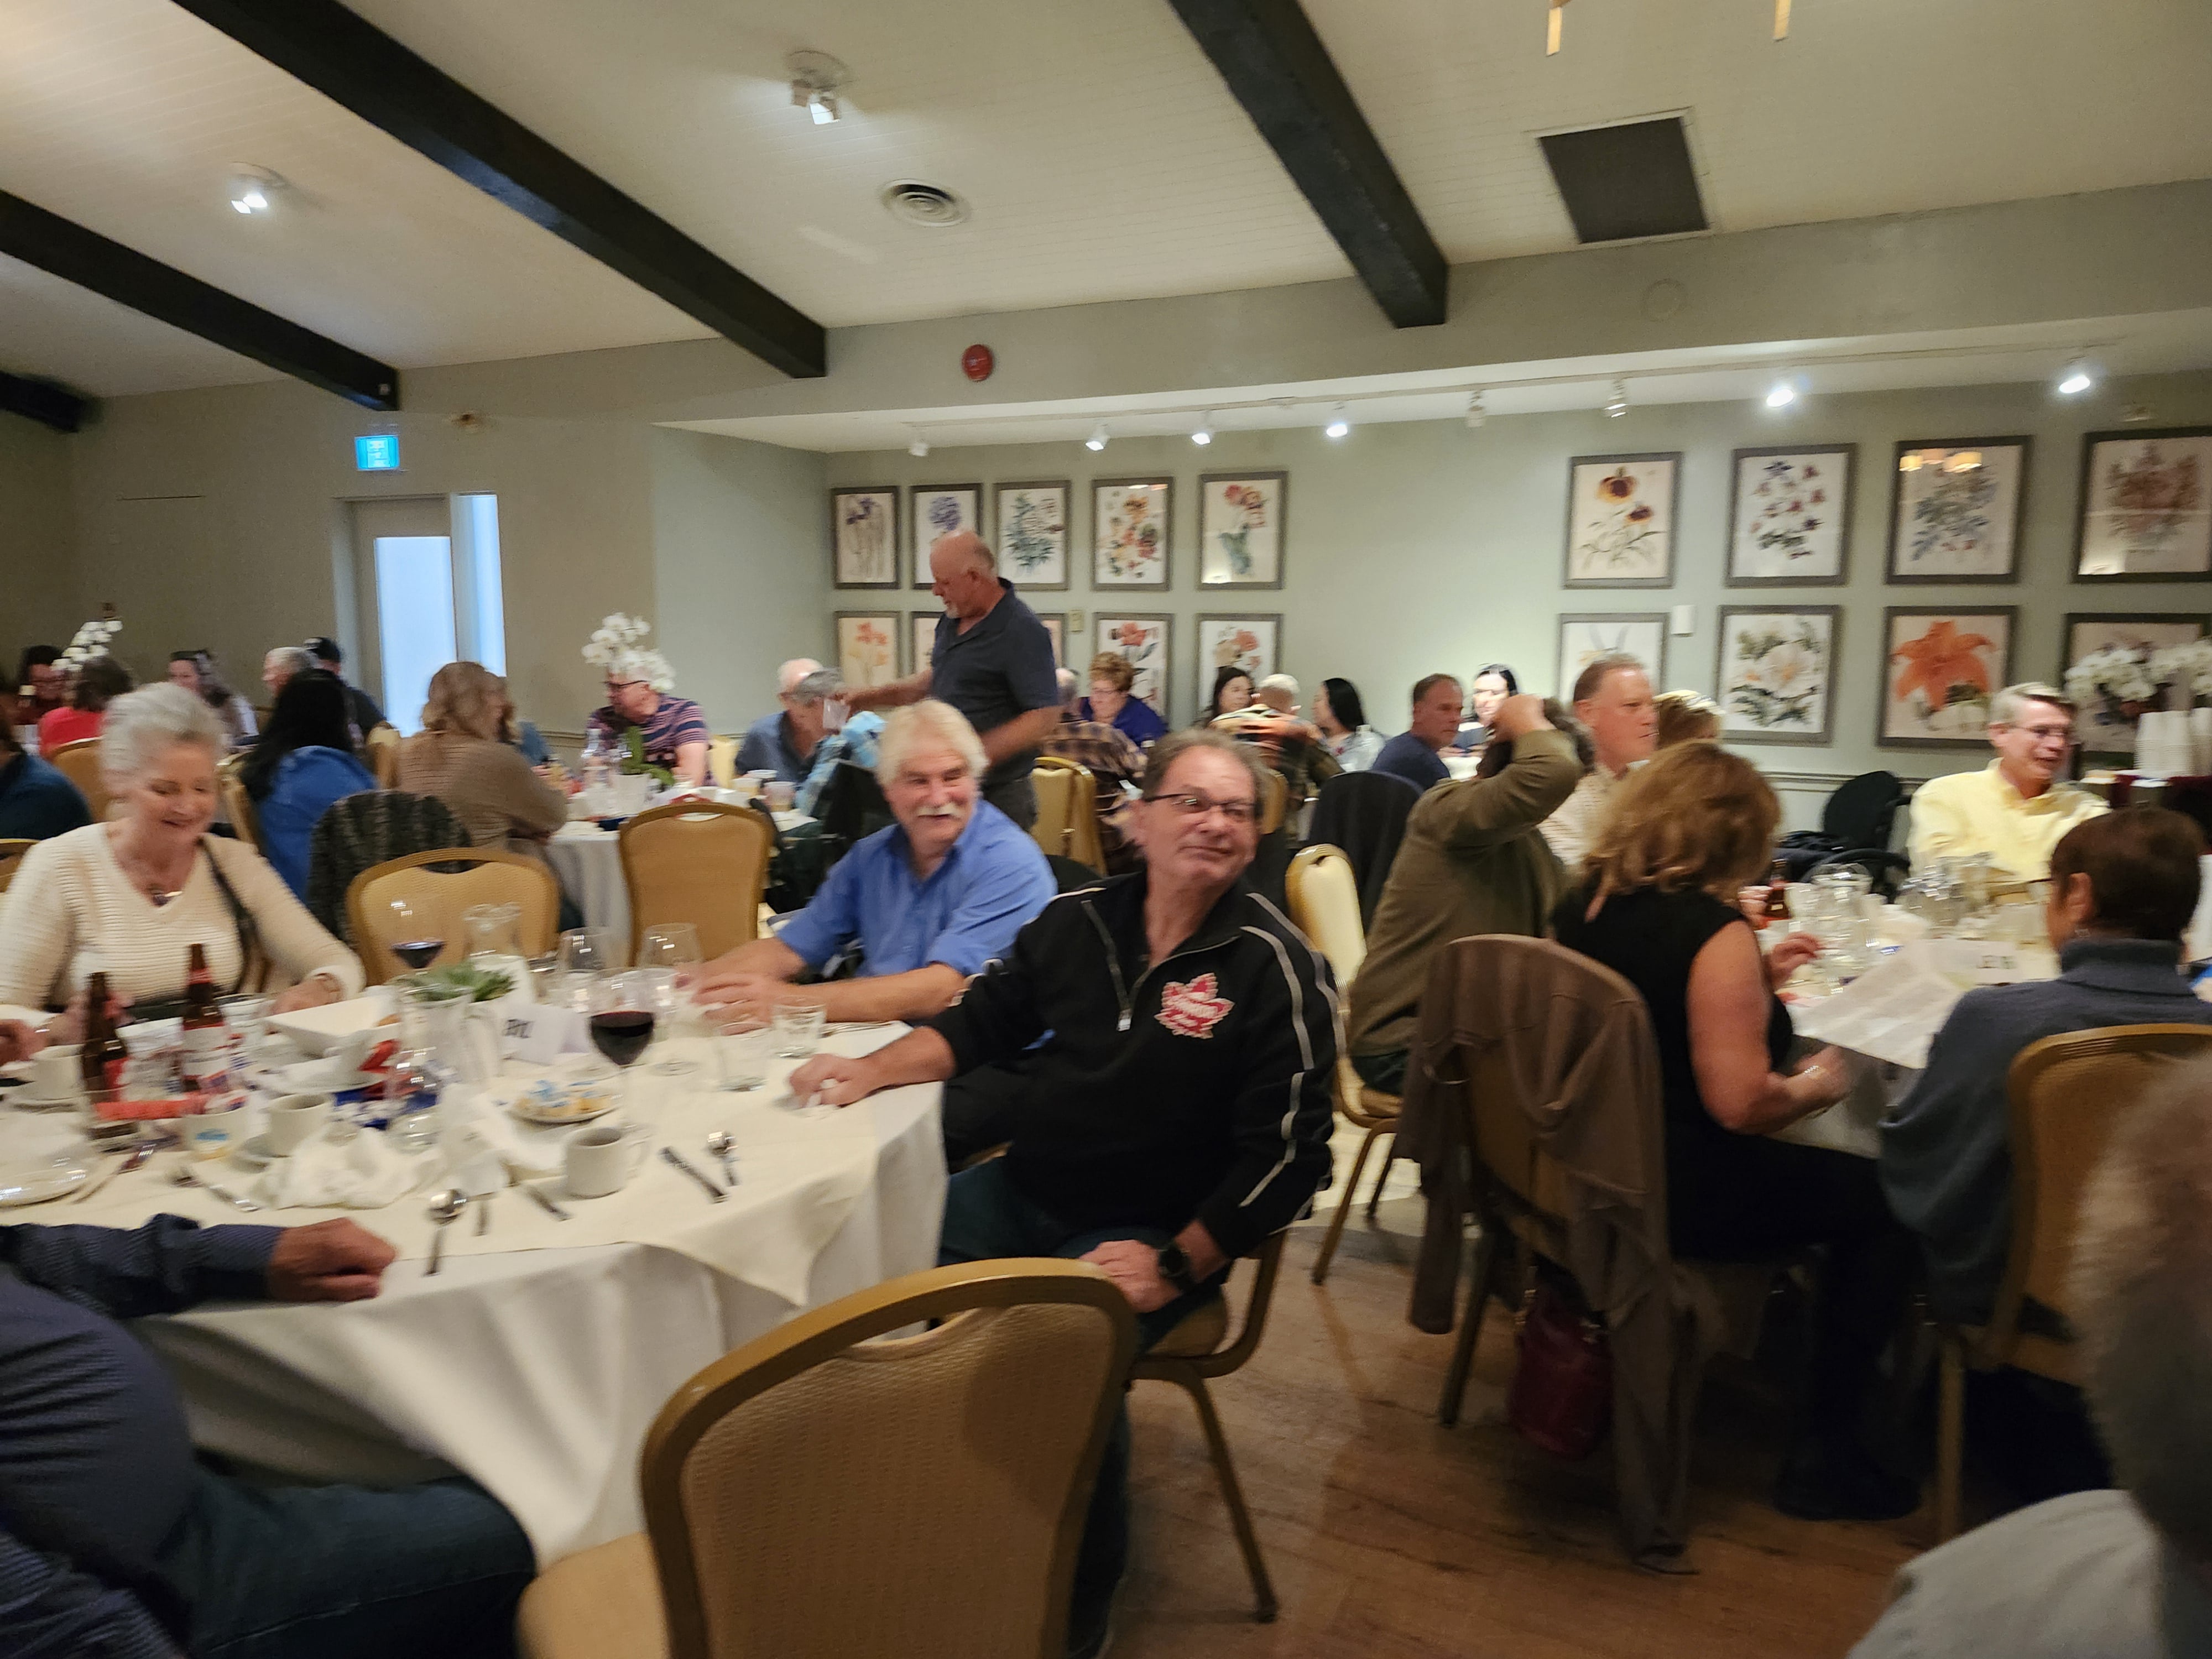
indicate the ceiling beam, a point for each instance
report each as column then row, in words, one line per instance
column 43, row 401
column 352, row 62
column 70, row 251
column 1277, row 68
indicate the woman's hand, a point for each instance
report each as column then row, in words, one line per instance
column 1788, row 956
column 316, row 991
column 1832, row 1073
column 19, row 1040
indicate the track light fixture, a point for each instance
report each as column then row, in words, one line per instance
column 1782, row 396
column 817, row 78
column 254, row 190
column 1202, row 433
column 1338, row 426
column 1617, row 405
column 1476, row 415
column 1096, row 440
column 2076, row 379
column 917, row 444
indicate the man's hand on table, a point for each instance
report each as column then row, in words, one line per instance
column 1788, row 956
column 327, row 1261
column 837, row 1080
column 19, row 1040
column 738, row 992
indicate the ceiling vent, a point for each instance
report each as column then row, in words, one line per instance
column 1627, row 181
column 918, row 204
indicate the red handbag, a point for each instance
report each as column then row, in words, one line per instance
column 1561, row 1397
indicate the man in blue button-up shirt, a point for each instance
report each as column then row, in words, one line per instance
column 927, row 902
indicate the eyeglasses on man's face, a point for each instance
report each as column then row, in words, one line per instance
column 2042, row 733
column 1196, row 805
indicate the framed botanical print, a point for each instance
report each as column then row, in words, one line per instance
column 1240, row 528
column 1032, row 538
column 1941, row 666
column 1584, row 638
column 2115, row 687
column 867, row 647
column 1055, row 624
column 921, row 629
column 864, row 540
column 1790, row 516
column 1620, row 520
column 1253, row 644
column 934, row 510
column 1143, row 640
column 1955, row 517
column 1774, row 681
column 1129, row 532
column 2146, row 506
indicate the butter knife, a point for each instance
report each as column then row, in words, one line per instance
column 675, row 1158
column 139, row 1154
column 543, row 1202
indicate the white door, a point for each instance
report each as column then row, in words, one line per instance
column 420, row 607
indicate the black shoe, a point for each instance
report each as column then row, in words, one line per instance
column 1822, row 1485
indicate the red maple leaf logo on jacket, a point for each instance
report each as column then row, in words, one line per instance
column 1192, row 1008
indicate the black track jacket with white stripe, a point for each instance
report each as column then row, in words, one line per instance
column 1196, row 1086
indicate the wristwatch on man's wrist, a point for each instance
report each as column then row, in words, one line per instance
column 1175, row 1267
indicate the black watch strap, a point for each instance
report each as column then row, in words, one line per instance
column 1175, row 1267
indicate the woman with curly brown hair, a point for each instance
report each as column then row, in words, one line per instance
column 463, row 756
column 1655, row 904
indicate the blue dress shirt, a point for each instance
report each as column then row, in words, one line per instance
column 964, row 916
column 768, row 746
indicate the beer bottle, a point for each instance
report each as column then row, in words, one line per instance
column 206, row 1038
column 102, row 1055
column 1778, row 893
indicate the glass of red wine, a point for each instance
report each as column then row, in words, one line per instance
column 412, row 935
column 624, row 1014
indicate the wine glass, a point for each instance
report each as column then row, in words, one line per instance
column 622, row 1021
column 668, row 951
column 411, row 934
column 587, row 954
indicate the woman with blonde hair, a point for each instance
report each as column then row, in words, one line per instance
column 460, row 756
column 1656, row 903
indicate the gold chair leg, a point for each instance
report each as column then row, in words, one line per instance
column 1470, row 1326
column 1389, row 1157
column 1950, row 1438
column 1263, row 1591
column 1350, row 1196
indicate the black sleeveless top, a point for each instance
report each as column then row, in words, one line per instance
column 1651, row 939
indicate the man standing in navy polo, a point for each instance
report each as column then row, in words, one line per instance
column 928, row 903
column 993, row 661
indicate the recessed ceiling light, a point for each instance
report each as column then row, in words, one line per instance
column 817, row 78
column 1202, row 433
column 254, row 190
column 2077, row 379
column 1338, row 426
column 1096, row 440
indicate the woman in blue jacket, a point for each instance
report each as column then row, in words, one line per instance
column 304, row 762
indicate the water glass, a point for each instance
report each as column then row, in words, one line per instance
column 741, row 1056
column 799, row 1022
column 669, row 950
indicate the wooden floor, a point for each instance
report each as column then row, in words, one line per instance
column 1389, row 1535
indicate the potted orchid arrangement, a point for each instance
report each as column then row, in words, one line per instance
column 2121, row 683
column 616, row 648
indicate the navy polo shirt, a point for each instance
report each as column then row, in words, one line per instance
column 1000, row 669
column 37, row 801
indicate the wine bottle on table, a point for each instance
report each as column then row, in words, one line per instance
column 207, row 1037
column 100, row 1055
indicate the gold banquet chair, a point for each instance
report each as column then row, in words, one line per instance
column 12, row 853
column 237, row 804
column 1276, row 804
column 1324, row 898
column 1067, row 811
column 722, row 761
column 437, row 898
column 381, row 745
column 2068, row 1094
column 697, row 861
column 830, row 1489
column 79, row 763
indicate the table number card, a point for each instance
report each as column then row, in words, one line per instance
column 538, row 1032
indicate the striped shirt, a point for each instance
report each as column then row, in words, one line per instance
column 667, row 728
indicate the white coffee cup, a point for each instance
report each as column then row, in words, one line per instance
column 54, row 1074
column 601, row 1157
column 293, row 1120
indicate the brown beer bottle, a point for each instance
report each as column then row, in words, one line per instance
column 1778, row 893
column 102, row 1055
column 206, row 1039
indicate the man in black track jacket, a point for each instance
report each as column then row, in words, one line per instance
column 1180, row 1111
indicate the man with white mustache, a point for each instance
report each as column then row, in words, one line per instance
column 927, row 903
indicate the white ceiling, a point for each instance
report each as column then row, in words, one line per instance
column 1102, row 154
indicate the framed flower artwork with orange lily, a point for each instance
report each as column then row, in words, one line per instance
column 1241, row 528
column 1789, row 518
column 1940, row 669
column 1620, row 520
column 1143, row 640
column 868, row 647
column 1776, row 679
column 2146, row 506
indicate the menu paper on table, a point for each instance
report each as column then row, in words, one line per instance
column 1891, row 1012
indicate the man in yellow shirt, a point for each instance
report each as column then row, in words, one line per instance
column 2016, row 808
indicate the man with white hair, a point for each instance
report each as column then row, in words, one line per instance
column 2123, row 1574
column 278, row 667
column 787, row 742
column 927, row 902
column 993, row 661
column 2017, row 808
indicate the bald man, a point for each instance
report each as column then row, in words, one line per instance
column 786, row 741
column 993, row 661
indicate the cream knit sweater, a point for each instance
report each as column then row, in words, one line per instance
column 72, row 911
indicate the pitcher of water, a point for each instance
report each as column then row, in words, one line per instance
column 495, row 944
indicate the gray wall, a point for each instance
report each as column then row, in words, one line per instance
column 37, row 596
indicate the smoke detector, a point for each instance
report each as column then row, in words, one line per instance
column 918, row 204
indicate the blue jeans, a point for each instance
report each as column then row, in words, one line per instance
column 431, row 1572
column 986, row 1217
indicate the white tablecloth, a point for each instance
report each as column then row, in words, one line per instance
column 532, row 1363
column 588, row 861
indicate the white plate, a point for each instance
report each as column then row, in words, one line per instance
column 326, row 1076
column 520, row 1108
column 36, row 1183
column 318, row 1030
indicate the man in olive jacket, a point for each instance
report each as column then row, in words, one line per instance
column 1473, row 862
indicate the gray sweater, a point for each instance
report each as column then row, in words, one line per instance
column 1946, row 1146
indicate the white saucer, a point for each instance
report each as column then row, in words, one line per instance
column 36, row 1183
column 254, row 1152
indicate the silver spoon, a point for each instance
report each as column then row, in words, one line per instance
column 720, row 1144
column 445, row 1209
column 182, row 1176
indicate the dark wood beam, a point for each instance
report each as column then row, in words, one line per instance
column 38, row 238
column 43, row 401
column 1277, row 67
column 352, row 62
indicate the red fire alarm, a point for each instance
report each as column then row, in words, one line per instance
column 977, row 363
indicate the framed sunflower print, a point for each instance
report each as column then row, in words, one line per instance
column 1955, row 517
column 1790, row 516
column 2146, row 506
column 1620, row 520
column 1941, row 666
column 1776, row 679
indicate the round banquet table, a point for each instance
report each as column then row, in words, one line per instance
column 588, row 861
column 537, row 1357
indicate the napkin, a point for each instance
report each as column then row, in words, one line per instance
column 362, row 1173
column 476, row 1123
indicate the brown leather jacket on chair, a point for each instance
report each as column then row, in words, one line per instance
column 1553, row 1052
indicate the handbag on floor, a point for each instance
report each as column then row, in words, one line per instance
column 1561, row 1396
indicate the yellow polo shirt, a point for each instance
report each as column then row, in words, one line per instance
column 1982, row 812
